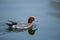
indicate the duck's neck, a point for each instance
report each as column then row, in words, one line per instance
column 29, row 21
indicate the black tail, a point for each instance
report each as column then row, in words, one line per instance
column 9, row 24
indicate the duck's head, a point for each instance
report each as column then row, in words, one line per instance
column 31, row 19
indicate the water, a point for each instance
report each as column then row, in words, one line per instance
column 19, row 10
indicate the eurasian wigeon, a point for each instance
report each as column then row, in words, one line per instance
column 23, row 25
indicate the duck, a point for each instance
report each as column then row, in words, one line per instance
column 15, row 25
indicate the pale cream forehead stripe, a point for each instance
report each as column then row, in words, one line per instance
column 32, row 16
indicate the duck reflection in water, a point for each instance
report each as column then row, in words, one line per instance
column 32, row 31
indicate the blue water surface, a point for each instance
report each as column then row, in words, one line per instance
column 19, row 10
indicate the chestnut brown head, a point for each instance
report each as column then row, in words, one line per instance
column 31, row 19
